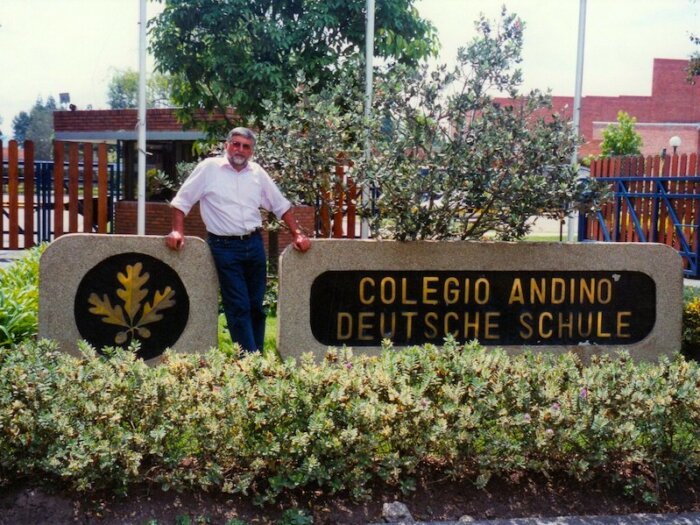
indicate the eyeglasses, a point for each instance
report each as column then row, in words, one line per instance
column 240, row 145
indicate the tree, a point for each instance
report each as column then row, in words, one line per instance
column 123, row 90
column 300, row 142
column 694, row 63
column 454, row 164
column 446, row 162
column 37, row 126
column 20, row 125
column 621, row 138
column 237, row 53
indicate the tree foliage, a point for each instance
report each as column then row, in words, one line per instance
column 20, row 125
column 446, row 161
column 123, row 90
column 301, row 142
column 621, row 138
column 455, row 164
column 694, row 63
column 237, row 53
column 37, row 126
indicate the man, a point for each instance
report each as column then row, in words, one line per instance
column 231, row 190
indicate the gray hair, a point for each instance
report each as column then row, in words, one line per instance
column 241, row 132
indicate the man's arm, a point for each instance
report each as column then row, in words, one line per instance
column 301, row 242
column 176, row 238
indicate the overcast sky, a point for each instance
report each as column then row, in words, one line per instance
column 52, row 46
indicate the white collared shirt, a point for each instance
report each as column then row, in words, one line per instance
column 230, row 200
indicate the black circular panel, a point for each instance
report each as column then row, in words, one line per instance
column 132, row 296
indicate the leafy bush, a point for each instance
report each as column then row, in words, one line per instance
column 621, row 138
column 19, row 298
column 691, row 327
column 264, row 427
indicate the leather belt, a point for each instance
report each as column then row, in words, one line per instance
column 243, row 237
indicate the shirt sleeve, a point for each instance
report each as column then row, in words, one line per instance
column 272, row 198
column 191, row 190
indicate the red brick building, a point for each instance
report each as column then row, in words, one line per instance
column 167, row 141
column 672, row 109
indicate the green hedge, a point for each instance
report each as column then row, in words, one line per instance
column 19, row 298
column 263, row 427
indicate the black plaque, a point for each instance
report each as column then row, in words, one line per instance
column 360, row 308
column 132, row 296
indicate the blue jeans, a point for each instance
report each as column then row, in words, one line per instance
column 242, row 270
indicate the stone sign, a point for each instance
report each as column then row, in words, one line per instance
column 580, row 297
column 112, row 290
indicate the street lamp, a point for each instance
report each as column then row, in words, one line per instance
column 675, row 143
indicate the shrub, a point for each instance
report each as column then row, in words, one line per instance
column 690, row 343
column 19, row 298
column 264, row 427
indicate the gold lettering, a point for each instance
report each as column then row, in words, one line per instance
column 471, row 326
column 589, row 329
column 409, row 323
column 569, row 325
column 558, row 290
column 525, row 320
column 451, row 293
column 446, row 322
column 542, row 333
column 363, row 298
column 622, row 324
column 516, row 292
column 572, row 291
column 587, row 290
column 404, row 293
column 491, row 325
column 538, row 290
column 482, row 291
column 344, row 319
column 600, row 332
column 382, row 325
column 607, row 289
column 433, row 329
column 382, row 290
column 362, row 326
column 429, row 291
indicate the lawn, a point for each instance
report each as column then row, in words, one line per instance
column 270, row 335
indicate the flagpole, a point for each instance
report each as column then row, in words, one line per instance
column 571, row 226
column 369, row 80
column 141, row 125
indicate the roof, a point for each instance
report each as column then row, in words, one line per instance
column 111, row 125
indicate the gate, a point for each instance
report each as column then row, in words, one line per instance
column 656, row 199
column 42, row 200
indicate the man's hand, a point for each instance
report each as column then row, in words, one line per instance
column 301, row 242
column 175, row 240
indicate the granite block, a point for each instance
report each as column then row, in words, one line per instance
column 586, row 298
column 117, row 288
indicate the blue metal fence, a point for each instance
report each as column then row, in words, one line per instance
column 44, row 201
column 650, row 209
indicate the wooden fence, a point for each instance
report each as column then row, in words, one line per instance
column 44, row 200
column 656, row 199
column 337, row 209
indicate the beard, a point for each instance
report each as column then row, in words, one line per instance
column 237, row 161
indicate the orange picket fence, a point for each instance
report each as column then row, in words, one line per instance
column 655, row 199
column 42, row 200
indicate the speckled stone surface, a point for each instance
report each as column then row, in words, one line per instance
column 661, row 263
column 66, row 261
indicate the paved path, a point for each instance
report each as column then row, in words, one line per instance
column 7, row 257
column 686, row 518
